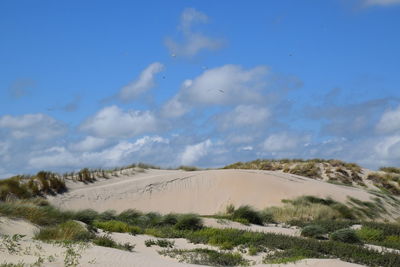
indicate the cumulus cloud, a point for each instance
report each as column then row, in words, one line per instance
column 193, row 42
column 193, row 153
column 89, row 143
column 284, row 142
column 390, row 121
column 144, row 82
column 349, row 120
column 123, row 152
column 113, row 122
column 388, row 148
column 245, row 115
column 381, row 2
column 39, row 126
column 226, row 85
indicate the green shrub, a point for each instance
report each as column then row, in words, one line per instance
column 129, row 216
column 242, row 221
column 107, row 241
column 159, row 242
column 68, row 231
column 345, row 235
column 267, row 217
column 169, row 220
column 189, row 222
column 391, row 241
column 290, row 255
column 314, row 231
column 135, row 230
column 329, row 225
column 113, row 226
column 206, row 257
column 249, row 214
column 41, row 215
column 13, row 187
column 370, row 235
column 230, row 209
column 107, row 215
column 87, row 216
column 253, row 250
column 153, row 218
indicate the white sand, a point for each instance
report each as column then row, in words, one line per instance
column 203, row 192
column 12, row 227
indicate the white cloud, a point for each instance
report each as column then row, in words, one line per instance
column 246, row 148
column 193, row 42
column 380, row 2
column 88, row 144
column 390, row 121
column 112, row 122
column 174, row 108
column 122, row 153
column 39, row 126
column 193, row 153
column 283, row 142
column 226, row 85
column 388, row 148
column 142, row 84
column 245, row 115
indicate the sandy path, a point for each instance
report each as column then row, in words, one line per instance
column 203, row 192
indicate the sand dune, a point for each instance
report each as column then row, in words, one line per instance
column 203, row 192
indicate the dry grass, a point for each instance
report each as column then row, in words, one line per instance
column 305, row 213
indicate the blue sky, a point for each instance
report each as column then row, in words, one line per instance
column 206, row 83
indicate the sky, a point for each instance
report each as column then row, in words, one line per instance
column 102, row 84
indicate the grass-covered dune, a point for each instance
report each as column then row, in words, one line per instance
column 335, row 171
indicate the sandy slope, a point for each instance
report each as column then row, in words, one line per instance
column 203, row 192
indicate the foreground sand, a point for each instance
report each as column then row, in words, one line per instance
column 53, row 255
column 204, row 192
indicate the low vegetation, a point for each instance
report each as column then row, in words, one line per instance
column 343, row 242
column 314, row 231
column 345, row 236
column 387, row 181
column 25, row 186
column 310, row 208
column 188, row 168
column 206, row 257
column 163, row 243
column 67, row 231
column 331, row 170
column 107, row 241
